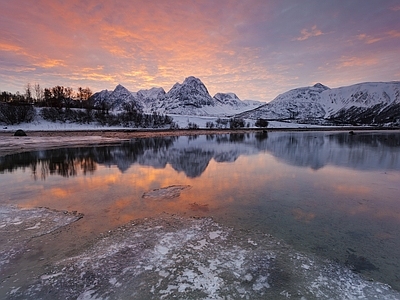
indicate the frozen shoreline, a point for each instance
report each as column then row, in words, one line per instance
column 37, row 139
column 171, row 256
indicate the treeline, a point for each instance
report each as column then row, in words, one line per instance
column 18, row 108
column 63, row 104
column 104, row 118
column 235, row 123
column 57, row 96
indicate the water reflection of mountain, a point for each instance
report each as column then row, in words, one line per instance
column 362, row 151
column 192, row 154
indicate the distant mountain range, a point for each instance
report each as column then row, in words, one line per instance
column 364, row 103
column 188, row 98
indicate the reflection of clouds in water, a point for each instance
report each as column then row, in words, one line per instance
column 302, row 216
column 198, row 207
column 349, row 188
column 364, row 151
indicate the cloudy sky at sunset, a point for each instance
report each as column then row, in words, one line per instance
column 255, row 48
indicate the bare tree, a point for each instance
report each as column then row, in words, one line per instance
column 28, row 92
column 38, row 92
column 84, row 93
column 88, row 93
column 69, row 91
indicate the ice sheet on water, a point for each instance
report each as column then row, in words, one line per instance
column 169, row 192
column 18, row 226
column 191, row 258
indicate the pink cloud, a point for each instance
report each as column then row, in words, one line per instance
column 395, row 8
column 368, row 39
column 393, row 34
column 355, row 61
column 306, row 34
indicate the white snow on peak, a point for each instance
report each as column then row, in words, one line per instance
column 153, row 93
column 319, row 101
column 190, row 97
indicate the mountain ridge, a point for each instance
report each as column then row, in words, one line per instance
column 361, row 103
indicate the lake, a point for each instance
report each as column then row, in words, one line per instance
column 329, row 201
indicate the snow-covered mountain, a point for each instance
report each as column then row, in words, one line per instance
column 188, row 98
column 228, row 99
column 149, row 97
column 115, row 100
column 364, row 103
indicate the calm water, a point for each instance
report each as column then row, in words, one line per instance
column 329, row 193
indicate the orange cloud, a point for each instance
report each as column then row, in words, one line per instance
column 9, row 47
column 50, row 63
column 233, row 46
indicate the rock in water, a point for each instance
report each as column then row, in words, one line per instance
column 20, row 132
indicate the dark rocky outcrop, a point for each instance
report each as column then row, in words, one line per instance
column 20, row 132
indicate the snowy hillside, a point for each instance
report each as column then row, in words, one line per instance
column 364, row 103
column 228, row 99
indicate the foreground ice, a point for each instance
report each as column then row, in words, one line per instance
column 18, row 226
column 169, row 192
column 173, row 257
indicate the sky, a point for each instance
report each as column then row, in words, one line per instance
column 254, row 48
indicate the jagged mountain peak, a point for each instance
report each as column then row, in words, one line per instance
column 191, row 79
column 191, row 84
column 223, row 96
column 192, row 92
column 120, row 88
column 321, row 86
column 152, row 93
column 230, row 99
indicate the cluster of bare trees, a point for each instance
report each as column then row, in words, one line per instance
column 63, row 104
column 17, row 108
column 54, row 96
